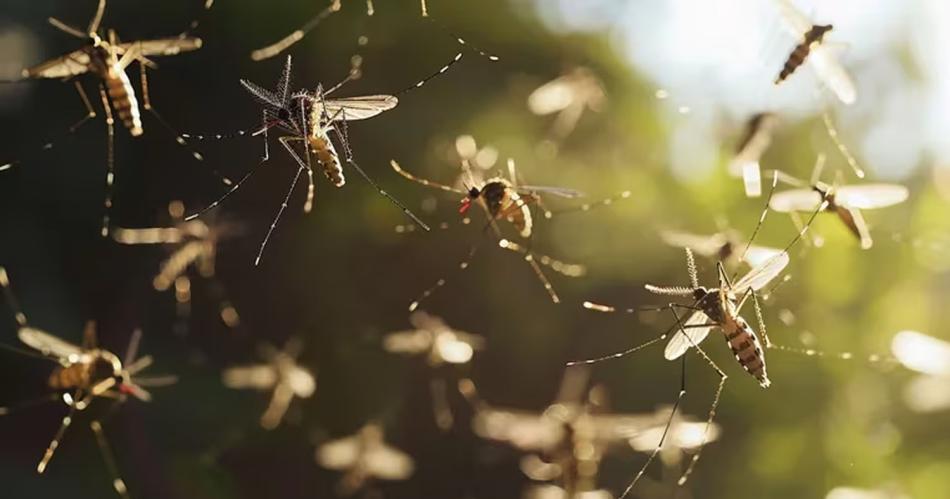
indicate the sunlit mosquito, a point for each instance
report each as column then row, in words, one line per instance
column 279, row 374
column 749, row 151
column 193, row 243
column 107, row 58
column 363, row 457
column 441, row 345
column 725, row 246
column 569, row 96
column 811, row 45
column 845, row 201
column 931, row 357
column 309, row 118
column 83, row 374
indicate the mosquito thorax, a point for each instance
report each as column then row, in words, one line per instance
column 700, row 293
column 827, row 193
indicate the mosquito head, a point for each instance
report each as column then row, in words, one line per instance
column 699, row 293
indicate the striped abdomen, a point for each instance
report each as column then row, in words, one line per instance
column 797, row 57
column 123, row 99
column 745, row 346
column 73, row 376
column 328, row 158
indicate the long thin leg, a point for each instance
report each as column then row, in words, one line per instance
column 284, row 141
column 110, row 160
column 758, row 226
column 295, row 36
column 441, row 282
column 51, row 449
column 109, row 459
column 427, row 183
column 843, row 149
column 52, row 397
column 589, row 206
column 563, row 268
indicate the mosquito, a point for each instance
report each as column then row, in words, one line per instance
column 364, row 456
column 441, row 345
column 83, row 373
column 749, row 151
column 931, row 357
column 726, row 246
column 507, row 199
column 846, row 201
column 818, row 54
column 569, row 96
column 281, row 374
column 194, row 243
column 108, row 58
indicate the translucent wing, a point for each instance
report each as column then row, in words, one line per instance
column 762, row 274
column 261, row 377
column 555, row 95
column 758, row 255
column 617, row 427
column 156, row 235
column 833, row 74
column 795, row 200
column 927, row 394
column 72, row 64
column 163, row 46
column 870, row 195
column 408, row 342
column 703, row 245
column 48, row 344
column 793, row 19
column 339, row 454
column 301, row 381
column 359, row 108
column 388, row 463
column 922, row 353
column 557, row 191
column 694, row 334
column 527, row 431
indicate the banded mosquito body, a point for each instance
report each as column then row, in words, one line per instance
column 568, row 96
column 83, row 374
column 363, row 457
column 107, row 58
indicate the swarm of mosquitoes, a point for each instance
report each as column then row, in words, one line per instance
column 562, row 445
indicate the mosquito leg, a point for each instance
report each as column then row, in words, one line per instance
column 295, row 36
column 758, row 226
column 843, row 149
column 110, row 160
column 283, row 206
column 590, row 206
column 51, row 449
column 109, row 458
column 427, row 183
column 29, row 403
column 90, row 111
column 463, row 265
column 812, row 239
column 563, row 268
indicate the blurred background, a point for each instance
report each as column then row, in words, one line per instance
column 678, row 79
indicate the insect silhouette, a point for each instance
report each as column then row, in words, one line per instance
column 569, row 96
column 309, row 118
column 507, row 199
column 812, row 48
column 441, row 345
column 930, row 357
column 362, row 457
column 725, row 246
column 749, row 151
column 83, row 374
column 194, row 243
column 845, row 201
column 107, row 58
column 280, row 374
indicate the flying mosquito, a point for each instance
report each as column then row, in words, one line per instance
column 846, row 201
column 818, row 54
column 194, row 243
column 569, row 96
column 507, row 199
column 749, row 151
column 309, row 118
column 441, row 345
column 725, row 246
column 83, row 374
column 362, row 457
column 108, row 58
column 281, row 374
column 930, row 357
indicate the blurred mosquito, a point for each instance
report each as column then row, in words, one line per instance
column 930, row 357
column 280, row 374
column 846, row 201
column 569, row 96
column 363, row 457
column 441, row 345
column 107, row 58
column 194, row 243
column 725, row 246
column 811, row 45
column 886, row 492
column 749, row 151
column 83, row 373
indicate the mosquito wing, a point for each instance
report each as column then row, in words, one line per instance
column 555, row 95
column 922, row 353
column 695, row 332
column 703, row 245
column 163, row 46
column 408, row 342
column 262, row 377
column 617, row 427
column 339, row 454
column 556, row 191
column 388, row 463
column 49, row 344
column 527, row 431
column 793, row 20
column 869, row 196
column 71, row 64
column 833, row 74
column 795, row 200
column 758, row 255
column 762, row 274
column 359, row 108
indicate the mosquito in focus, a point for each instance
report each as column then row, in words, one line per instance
column 569, row 96
column 507, row 199
column 441, row 345
column 811, row 47
column 280, row 374
column 363, row 457
column 846, row 201
column 108, row 58
column 83, row 374
column 930, row 357
column 749, row 151
column 194, row 243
